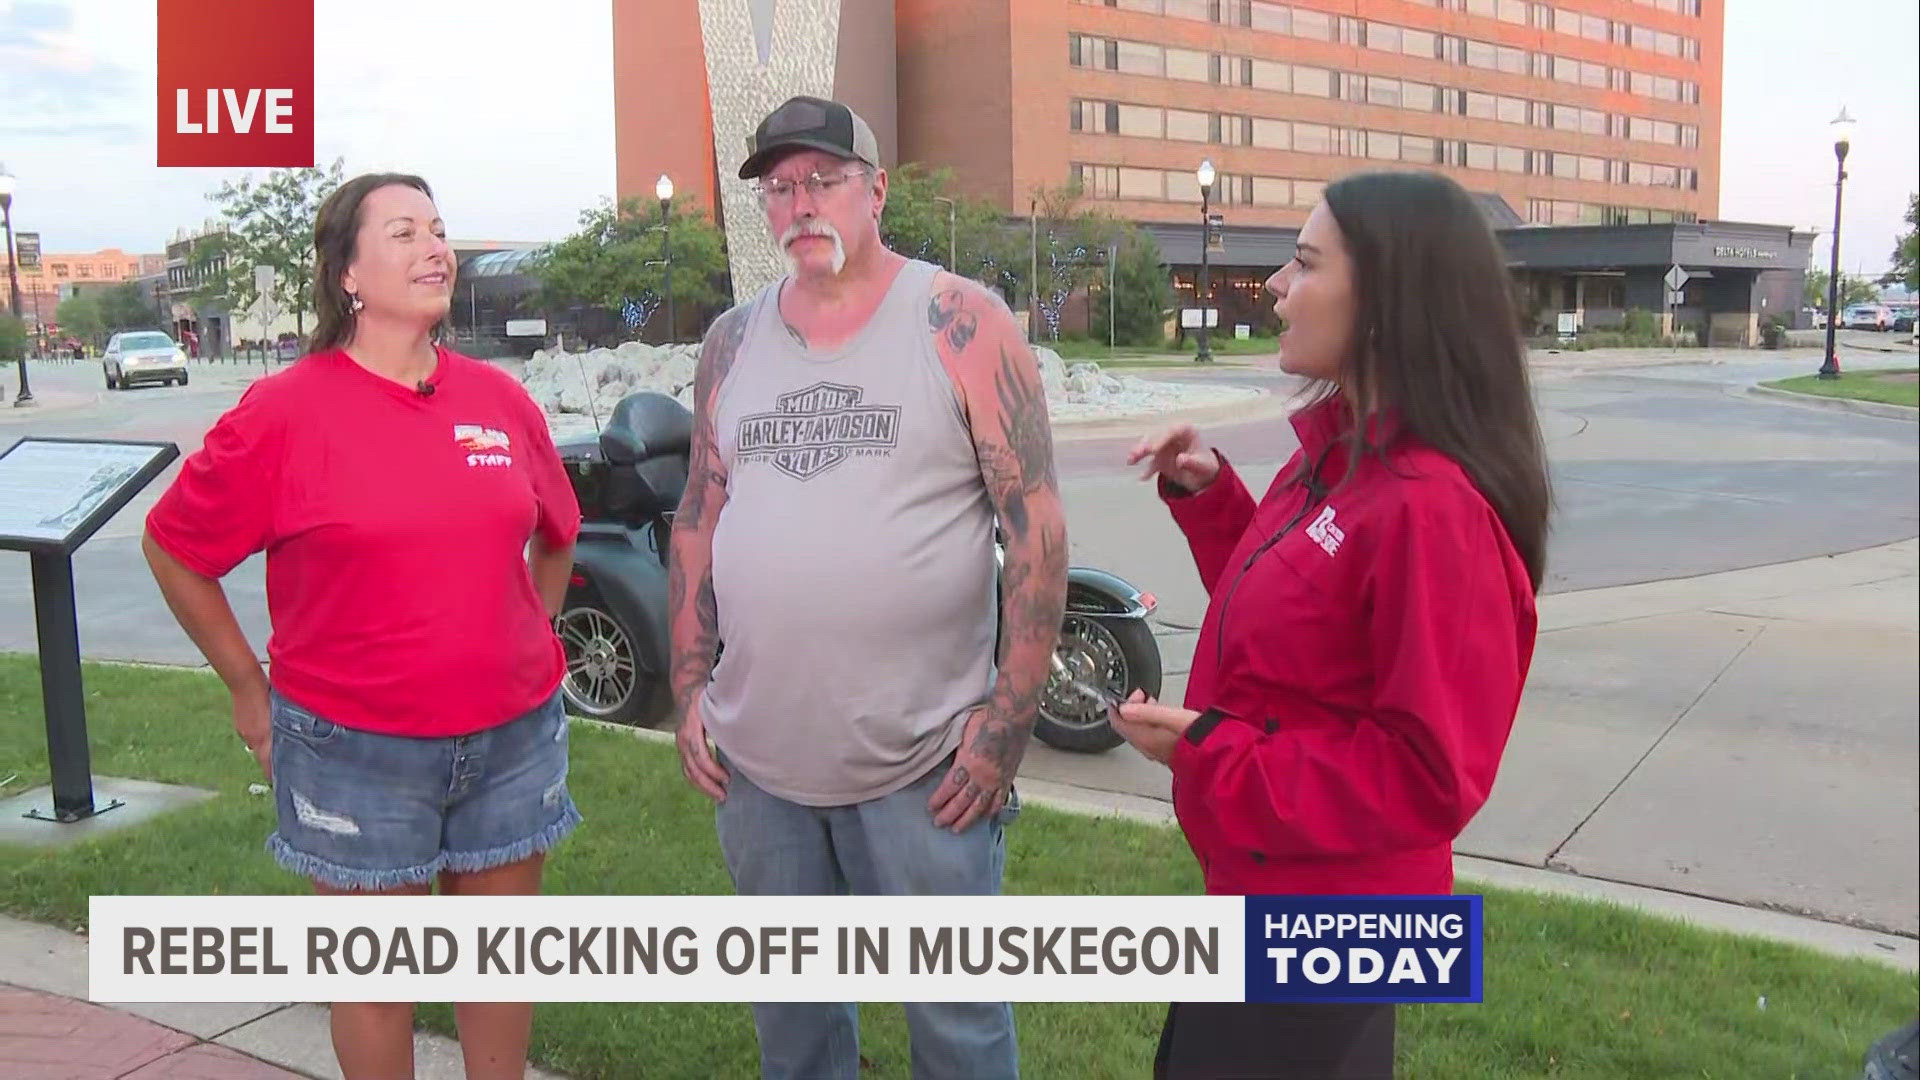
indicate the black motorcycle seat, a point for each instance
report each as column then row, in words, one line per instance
column 644, row 426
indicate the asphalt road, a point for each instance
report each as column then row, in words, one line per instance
column 1660, row 472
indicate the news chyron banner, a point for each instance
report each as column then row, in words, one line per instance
column 740, row 949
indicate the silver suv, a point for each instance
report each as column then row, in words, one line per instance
column 138, row 356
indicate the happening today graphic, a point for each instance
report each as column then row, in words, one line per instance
column 811, row 430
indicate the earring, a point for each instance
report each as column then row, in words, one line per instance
column 356, row 303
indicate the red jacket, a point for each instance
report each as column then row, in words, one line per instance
column 1358, row 672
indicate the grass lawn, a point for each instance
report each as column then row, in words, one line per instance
column 1889, row 386
column 1573, row 989
column 1219, row 346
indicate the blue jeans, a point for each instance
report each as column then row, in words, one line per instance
column 887, row 846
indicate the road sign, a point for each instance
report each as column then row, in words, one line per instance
column 1675, row 298
column 26, row 248
column 1676, row 277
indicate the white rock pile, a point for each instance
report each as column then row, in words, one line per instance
column 574, row 387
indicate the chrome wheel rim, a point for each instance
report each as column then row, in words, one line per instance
column 1089, row 654
column 600, row 672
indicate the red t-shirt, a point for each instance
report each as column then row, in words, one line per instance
column 395, row 527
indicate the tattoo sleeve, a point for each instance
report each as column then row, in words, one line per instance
column 693, row 618
column 1013, row 440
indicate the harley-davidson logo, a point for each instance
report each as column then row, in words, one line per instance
column 812, row 430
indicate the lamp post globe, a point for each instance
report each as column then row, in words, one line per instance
column 663, row 189
column 1842, row 127
column 1206, row 176
column 25, row 396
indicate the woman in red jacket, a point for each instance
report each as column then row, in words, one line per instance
column 1372, row 618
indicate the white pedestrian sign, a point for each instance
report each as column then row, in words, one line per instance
column 1676, row 277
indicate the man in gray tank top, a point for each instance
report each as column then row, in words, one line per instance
column 848, row 692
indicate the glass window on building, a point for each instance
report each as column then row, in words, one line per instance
column 1510, row 159
column 1594, row 28
column 1273, row 18
column 1511, row 110
column 1189, row 65
column 1142, row 122
column 1142, row 184
column 1480, row 106
column 1384, row 37
column 1419, row 43
column 1151, row 7
column 1566, row 166
column 1182, row 186
column 1512, row 61
column 1481, row 54
column 1097, row 181
column 1317, row 25
column 1419, row 149
column 1593, row 169
column 1139, row 59
column 1187, row 125
column 1312, row 81
column 1272, row 134
column 1273, row 75
column 1272, row 191
column 1566, row 22
column 1419, row 96
column 1307, row 192
column 1384, row 92
column 1201, row 10
column 1312, row 138
column 1481, row 7
column 1479, row 156
column 1513, row 11
column 1382, row 145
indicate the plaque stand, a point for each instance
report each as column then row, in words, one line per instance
column 57, row 493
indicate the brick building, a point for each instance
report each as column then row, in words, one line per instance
column 1563, row 116
column 59, row 274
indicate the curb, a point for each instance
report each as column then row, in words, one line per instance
column 1820, row 935
column 1839, row 404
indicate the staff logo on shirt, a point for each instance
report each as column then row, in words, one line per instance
column 485, row 446
column 1325, row 533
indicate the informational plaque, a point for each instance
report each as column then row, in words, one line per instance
column 55, row 492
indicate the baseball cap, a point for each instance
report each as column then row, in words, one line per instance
column 810, row 123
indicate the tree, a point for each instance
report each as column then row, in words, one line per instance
column 1905, row 263
column 79, row 316
column 1068, row 238
column 1141, row 292
column 125, row 307
column 616, row 260
column 1853, row 290
column 13, row 338
column 271, row 224
column 971, row 239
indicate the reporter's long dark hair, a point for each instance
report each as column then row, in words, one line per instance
column 1437, row 341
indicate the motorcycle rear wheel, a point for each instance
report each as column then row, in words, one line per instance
column 602, row 681
column 1119, row 655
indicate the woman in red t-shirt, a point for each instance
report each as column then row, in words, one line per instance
column 1372, row 618
column 418, row 529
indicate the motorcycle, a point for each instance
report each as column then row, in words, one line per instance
column 629, row 480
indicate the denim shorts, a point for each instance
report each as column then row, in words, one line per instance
column 364, row 811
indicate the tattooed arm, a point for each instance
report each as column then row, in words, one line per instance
column 1006, row 409
column 692, row 617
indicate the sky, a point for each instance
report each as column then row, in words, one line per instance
column 509, row 114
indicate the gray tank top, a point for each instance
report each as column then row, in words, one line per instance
column 853, row 567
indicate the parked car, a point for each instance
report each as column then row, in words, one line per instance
column 1867, row 317
column 138, row 356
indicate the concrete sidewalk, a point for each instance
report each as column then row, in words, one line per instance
column 49, row 1031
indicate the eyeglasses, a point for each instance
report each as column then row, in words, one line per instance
column 780, row 190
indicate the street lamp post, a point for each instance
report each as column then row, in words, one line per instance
column 1206, row 176
column 663, row 188
column 1842, row 142
column 953, row 245
column 25, row 397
